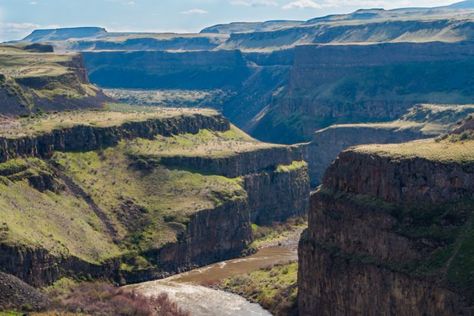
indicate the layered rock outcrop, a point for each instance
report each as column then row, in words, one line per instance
column 147, row 242
column 65, row 87
column 390, row 235
column 84, row 138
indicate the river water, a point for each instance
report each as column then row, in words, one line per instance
column 187, row 289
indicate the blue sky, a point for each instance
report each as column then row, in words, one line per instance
column 19, row 17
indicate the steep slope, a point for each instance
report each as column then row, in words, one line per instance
column 421, row 121
column 396, row 221
column 364, row 83
column 62, row 34
column 130, row 194
column 285, row 96
column 33, row 81
column 167, row 70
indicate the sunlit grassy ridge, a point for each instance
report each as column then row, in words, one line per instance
column 31, row 82
column 461, row 151
column 112, row 115
column 18, row 63
column 205, row 144
column 57, row 221
column 164, row 199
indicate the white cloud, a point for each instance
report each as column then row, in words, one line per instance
column 194, row 11
column 254, row 3
column 33, row 2
column 18, row 30
column 302, row 4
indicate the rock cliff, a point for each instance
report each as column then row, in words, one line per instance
column 34, row 79
column 106, row 198
column 390, row 232
column 419, row 122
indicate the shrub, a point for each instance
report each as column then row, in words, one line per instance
column 104, row 299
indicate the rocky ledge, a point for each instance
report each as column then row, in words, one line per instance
column 105, row 201
column 390, row 232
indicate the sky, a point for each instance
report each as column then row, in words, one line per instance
column 19, row 17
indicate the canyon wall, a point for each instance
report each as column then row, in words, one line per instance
column 84, row 138
column 202, row 236
column 167, row 70
column 284, row 96
column 389, row 235
column 364, row 83
column 329, row 142
column 66, row 87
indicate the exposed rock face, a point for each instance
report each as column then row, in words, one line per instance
column 375, row 232
column 284, row 96
column 84, row 138
column 362, row 83
column 16, row 294
column 211, row 235
column 275, row 196
column 404, row 181
column 65, row 88
column 166, row 70
column 329, row 142
column 237, row 165
column 208, row 235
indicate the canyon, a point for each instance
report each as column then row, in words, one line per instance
column 136, row 157
column 415, row 201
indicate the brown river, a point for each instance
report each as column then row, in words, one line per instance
column 187, row 289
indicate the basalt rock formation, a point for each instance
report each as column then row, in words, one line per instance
column 110, row 197
column 390, row 232
column 34, row 79
column 421, row 121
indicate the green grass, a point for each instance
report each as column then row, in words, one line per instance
column 274, row 288
column 59, row 222
column 295, row 165
column 434, row 150
column 146, row 207
column 267, row 236
column 162, row 199
column 204, row 144
column 18, row 63
column 114, row 115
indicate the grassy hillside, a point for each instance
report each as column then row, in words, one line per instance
column 109, row 203
column 32, row 81
column 455, row 148
column 110, row 115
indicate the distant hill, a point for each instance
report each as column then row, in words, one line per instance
column 62, row 34
column 33, row 80
column 245, row 27
column 468, row 4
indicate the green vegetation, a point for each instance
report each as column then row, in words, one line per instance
column 113, row 115
column 274, row 288
column 103, row 204
column 159, row 201
column 205, row 144
column 59, row 222
column 18, row 63
column 295, row 165
column 28, row 75
column 447, row 226
column 447, row 151
column 265, row 236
